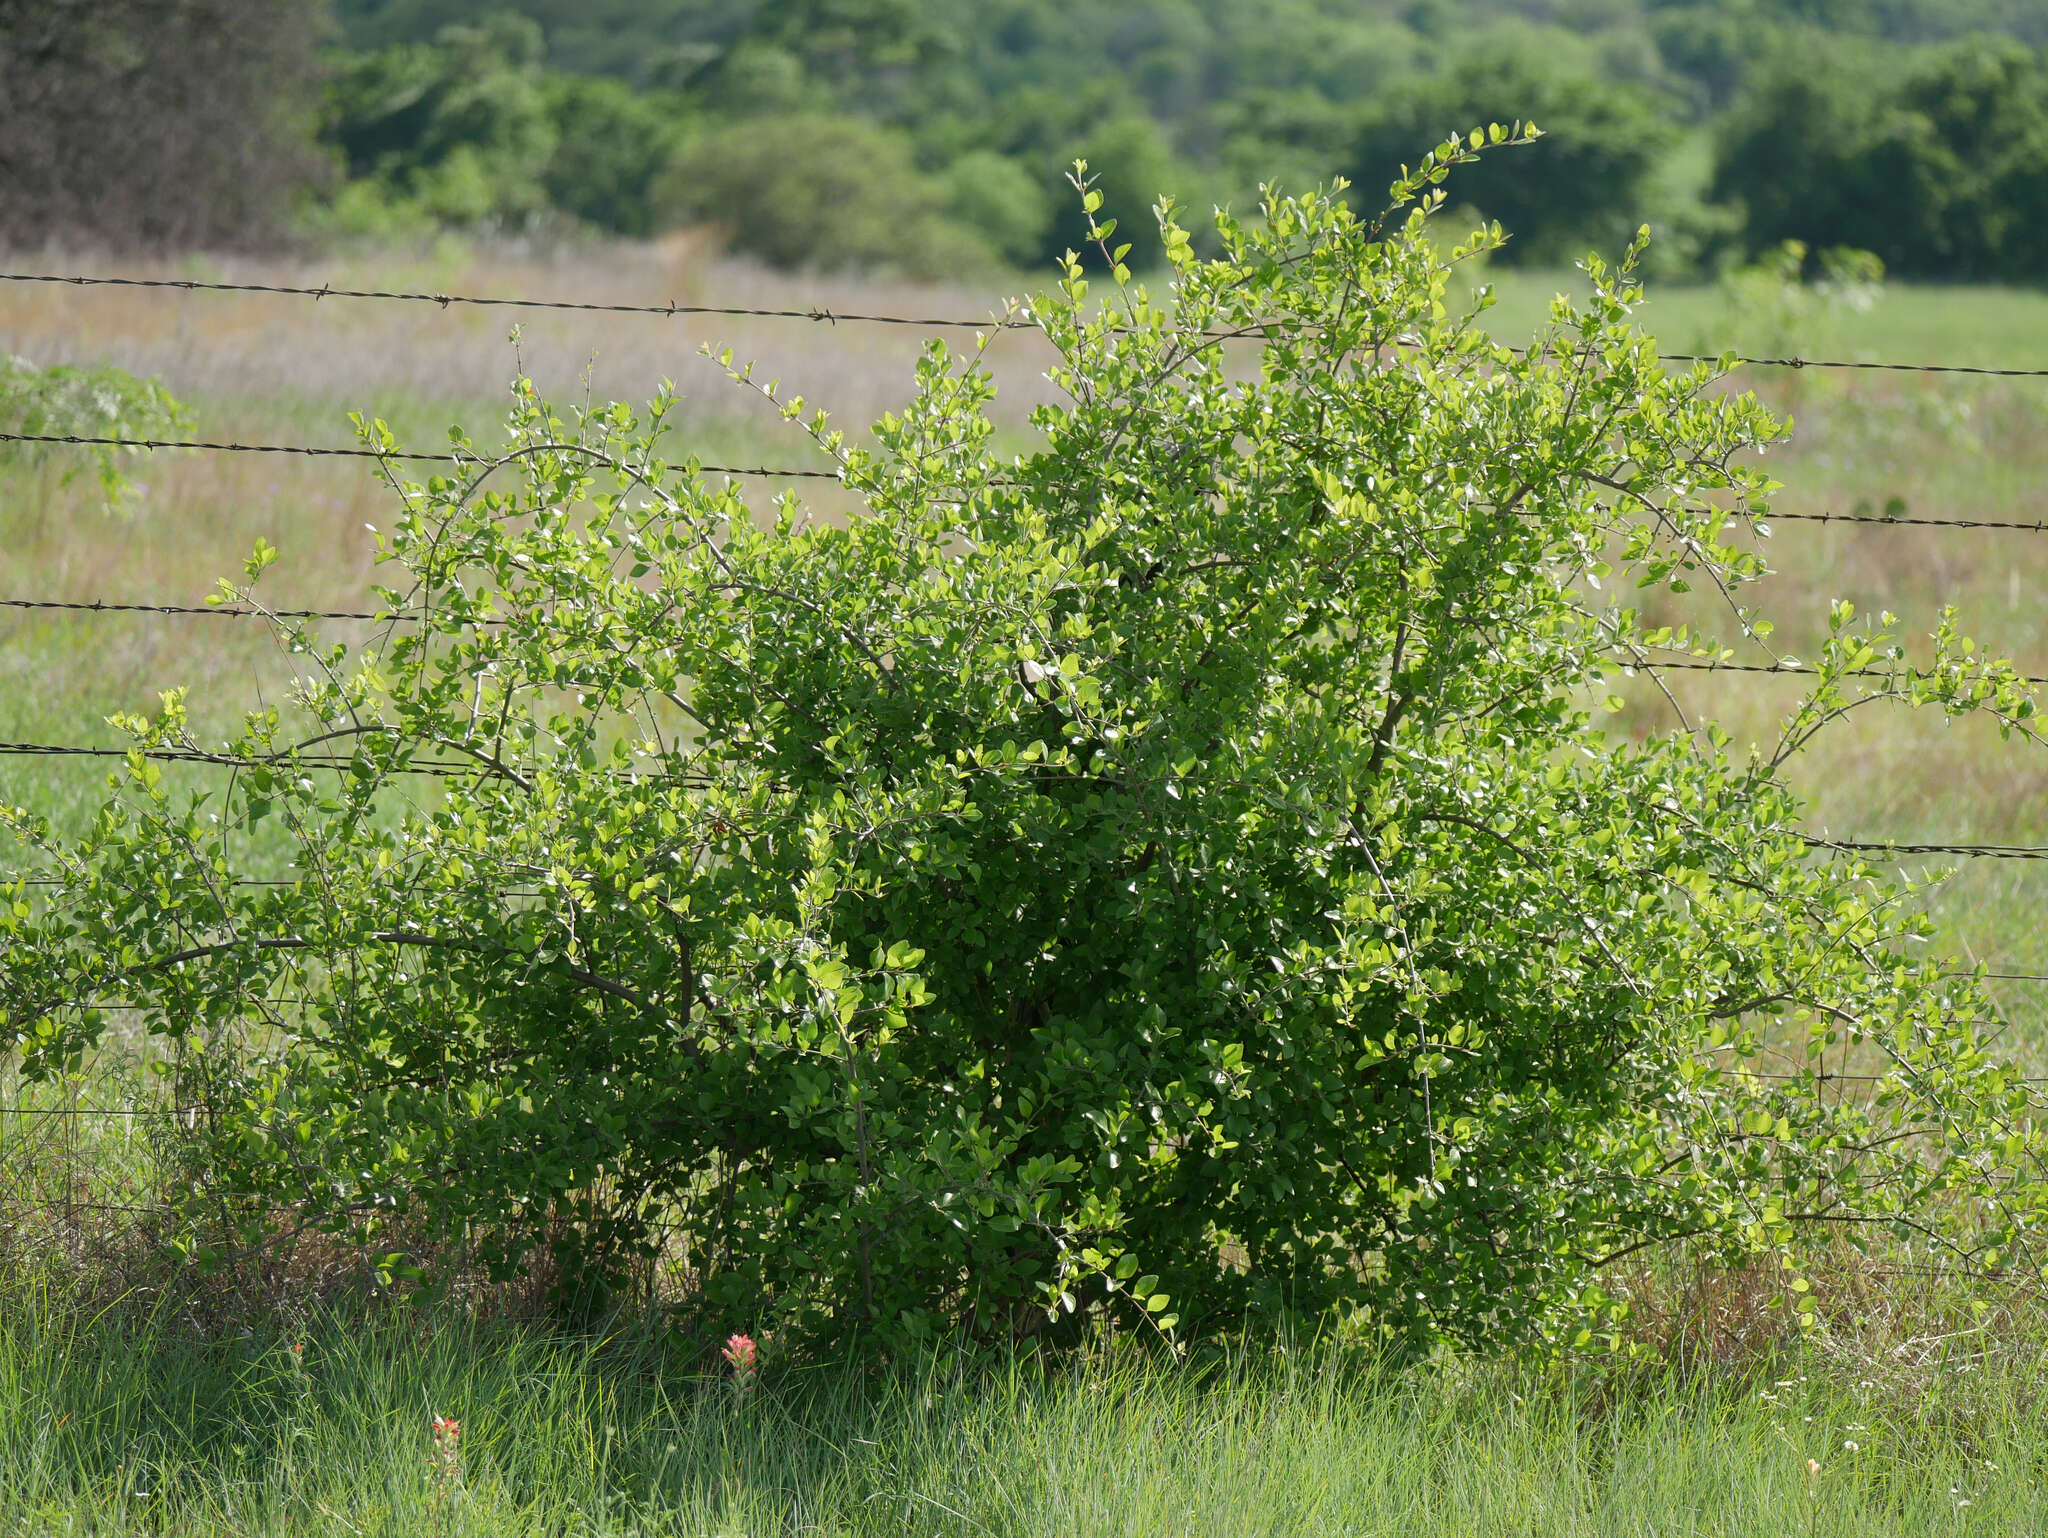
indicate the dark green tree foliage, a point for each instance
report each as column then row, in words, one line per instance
column 1292, row 139
column 1172, row 873
column 459, row 127
column 470, row 129
column 155, row 123
column 1587, row 185
column 755, row 81
column 646, row 43
column 996, row 196
column 1713, row 46
column 888, row 55
column 1916, row 21
column 1938, row 167
column 612, row 148
column 1203, row 98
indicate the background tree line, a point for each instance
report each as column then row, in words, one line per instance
column 929, row 136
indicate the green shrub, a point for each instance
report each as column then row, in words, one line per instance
column 1173, row 873
column 97, row 402
column 994, row 195
column 820, row 191
column 1773, row 307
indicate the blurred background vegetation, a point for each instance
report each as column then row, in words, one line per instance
column 929, row 137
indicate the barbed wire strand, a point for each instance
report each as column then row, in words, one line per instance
column 446, row 770
column 229, row 760
column 2012, row 1276
column 230, row 611
column 1903, row 521
column 224, row 611
column 2017, row 1277
column 1789, row 669
column 312, row 451
column 84, row 1110
column 820, row 314
column 1828, row 1076
column 1857, row 364
column 236, row 881
column 825, row 315
column 791, row 472
column 8, row 1207
column 442, row 769
column 252, row 881
column 1897, row 849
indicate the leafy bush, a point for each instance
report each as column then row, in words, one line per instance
column 1770, row 305
column 97, row 402
column 1173, row 873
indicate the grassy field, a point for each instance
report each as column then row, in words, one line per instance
column 1921, row 1415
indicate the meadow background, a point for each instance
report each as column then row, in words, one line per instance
column 129, row 1402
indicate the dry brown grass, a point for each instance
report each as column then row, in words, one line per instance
column 262, row 352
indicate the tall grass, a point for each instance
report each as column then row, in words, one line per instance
column 125, row 1424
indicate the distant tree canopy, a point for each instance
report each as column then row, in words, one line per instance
column 1726, row 125
column 1939, row 164
column 470, row 128
column 645, row 43
column 1586, row 185
column 976, row 111
column 822, row 191
column 155, row 122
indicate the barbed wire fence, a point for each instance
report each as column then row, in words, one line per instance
column 824, row 315
column 1015, row 318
